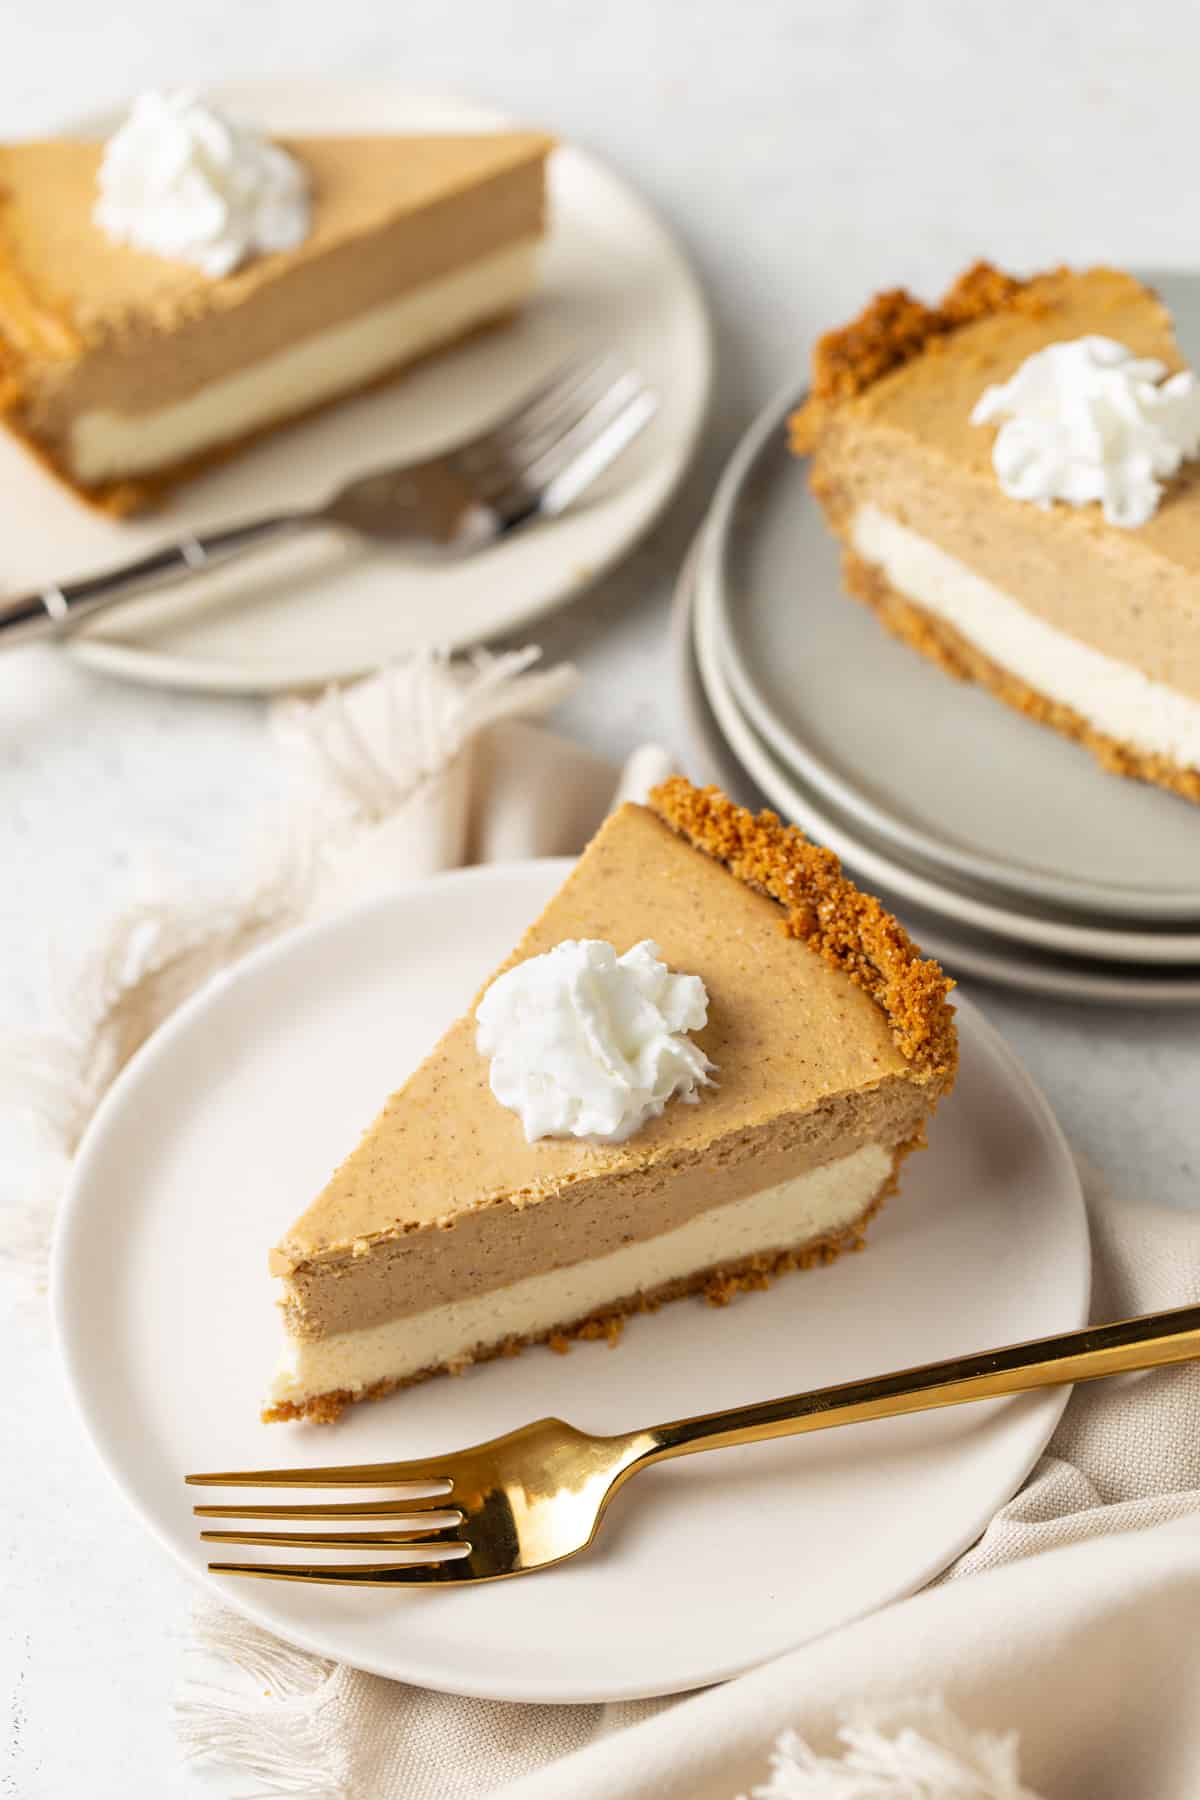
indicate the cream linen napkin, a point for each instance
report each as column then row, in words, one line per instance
column 1068, row 1667
column 425, row 767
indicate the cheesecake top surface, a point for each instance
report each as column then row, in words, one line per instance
column 917, row 371
column 814, row 992
column 987, row 313
column 65, row 285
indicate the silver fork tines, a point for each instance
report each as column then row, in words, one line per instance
column 572, row 386
column 541, row 459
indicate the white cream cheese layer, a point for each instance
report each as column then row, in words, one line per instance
column 1115, row 698
column 790, row 1214
column 106, row 446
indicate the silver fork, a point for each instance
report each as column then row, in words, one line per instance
column 530, row 465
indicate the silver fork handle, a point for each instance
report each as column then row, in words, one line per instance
column 54, row 611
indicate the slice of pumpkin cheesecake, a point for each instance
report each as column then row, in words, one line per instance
column 702, row 1066
column 1014, row 476
column 126, row 370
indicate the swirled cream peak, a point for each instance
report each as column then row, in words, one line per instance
column 586, row 1043
column 1087, row 420
column 183, row 181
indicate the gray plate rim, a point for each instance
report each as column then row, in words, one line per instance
column 880, row 867
column 763, row 440
column 974, row 955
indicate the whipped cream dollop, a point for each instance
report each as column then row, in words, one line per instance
column 183, row 181
column 586, row 1043
column 1087, row 420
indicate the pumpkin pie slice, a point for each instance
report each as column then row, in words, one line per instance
column 1085, row 624
column 124, row 370
column 446, row 1236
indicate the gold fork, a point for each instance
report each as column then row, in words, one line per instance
column 536, row 1496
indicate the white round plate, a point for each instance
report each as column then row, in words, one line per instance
column 232, row 1117
column 322, row 608
column 977, row 793
column 960, row 951
column 876, row 862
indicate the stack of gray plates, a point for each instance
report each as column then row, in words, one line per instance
column 1006, row 849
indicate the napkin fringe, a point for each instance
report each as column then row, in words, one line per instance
column 151, row 958
column 359, row 756
column 149, row 961
column 273, row 1734
column 921, row 1751
column 367, row 748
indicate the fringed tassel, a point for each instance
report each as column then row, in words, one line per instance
column 360, row 755
column 151, row 960
column 272, row 1734
column 918, row 1752
column 366, row 749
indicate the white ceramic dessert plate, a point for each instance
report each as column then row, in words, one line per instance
column 236, row 1112
column 937, row 770
column 321, row 608
column 961, row 951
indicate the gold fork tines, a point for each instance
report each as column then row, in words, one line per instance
column 411, row 1574
column 338, row 1540
column 389, row 1474
column 342, row 1509
column 537, row 1496
column 421, row 1524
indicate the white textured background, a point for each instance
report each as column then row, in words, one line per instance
column 805, row 153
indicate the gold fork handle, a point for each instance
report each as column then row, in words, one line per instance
column 1142, row 1343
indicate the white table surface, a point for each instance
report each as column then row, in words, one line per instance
column 807, row 153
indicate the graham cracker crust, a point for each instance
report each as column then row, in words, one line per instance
column 848, row 929
column 719, row 1286
column 960, row 658
column 895, row 328
column 126, row 498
